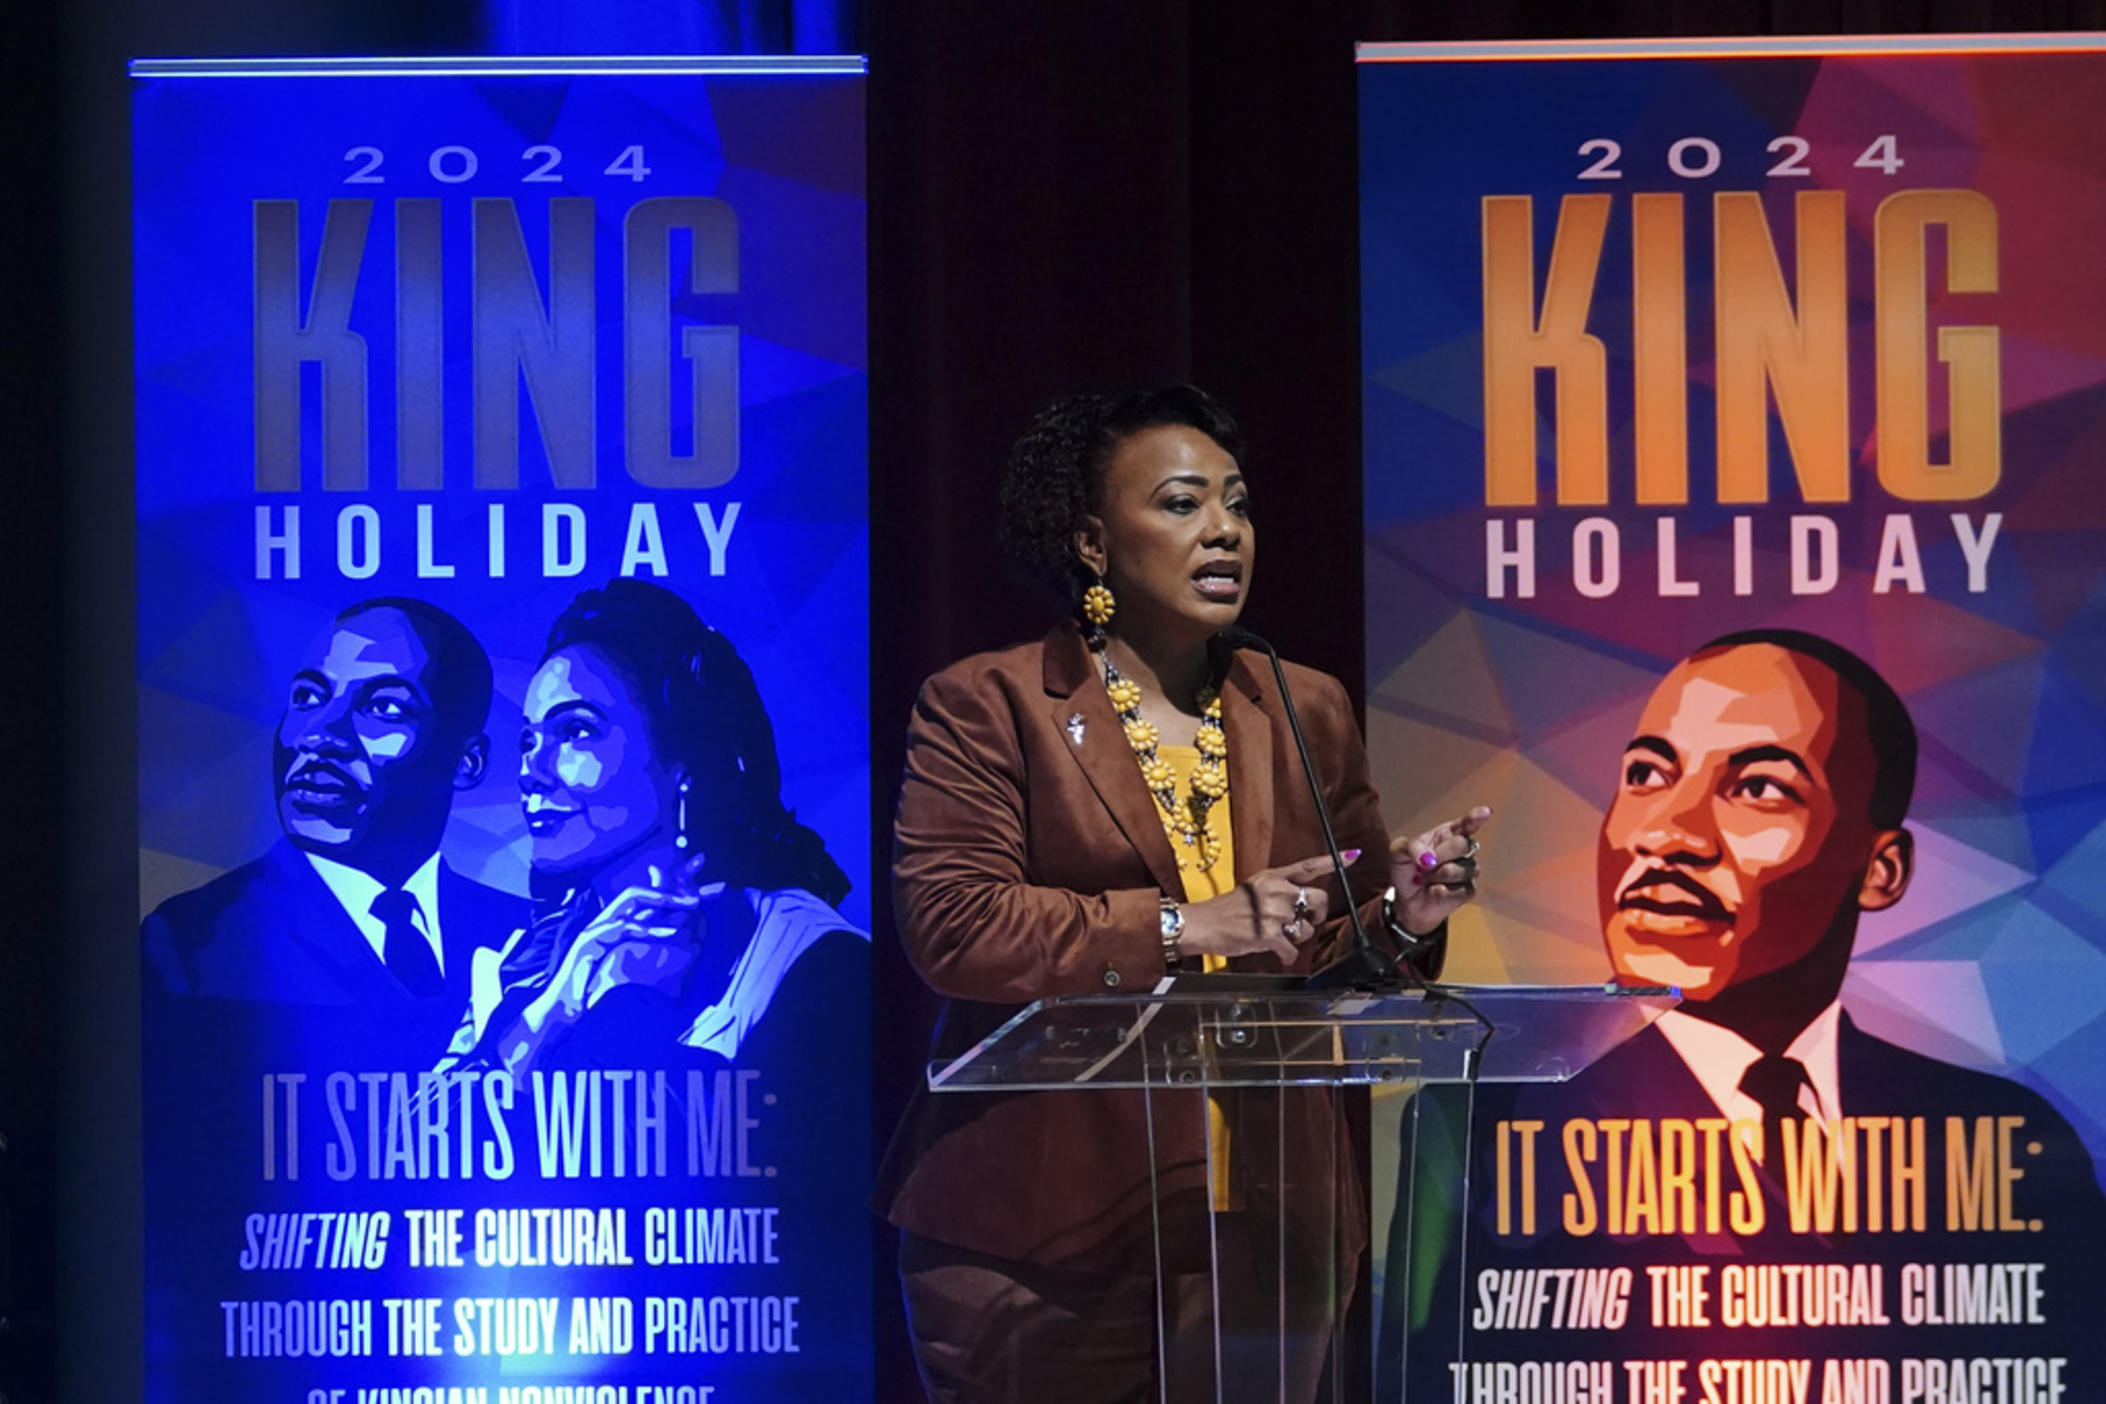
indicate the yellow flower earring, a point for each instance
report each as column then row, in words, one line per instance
column 1098, row 606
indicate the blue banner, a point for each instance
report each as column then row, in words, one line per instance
column 504, row 801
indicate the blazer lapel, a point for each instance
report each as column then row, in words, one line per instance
column 1248, row 729
column 332, row 941
column 465, row 925
column 1102, row 753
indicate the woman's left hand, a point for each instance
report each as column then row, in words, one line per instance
column 1436, row 872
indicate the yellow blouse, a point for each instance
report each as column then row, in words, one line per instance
column 1201, row 884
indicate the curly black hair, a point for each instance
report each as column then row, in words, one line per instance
column 1054, row 475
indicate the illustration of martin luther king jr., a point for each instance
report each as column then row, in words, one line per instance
column 1759, row 813
column 354, row 909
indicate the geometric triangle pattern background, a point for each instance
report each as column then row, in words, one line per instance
column 1518, row 687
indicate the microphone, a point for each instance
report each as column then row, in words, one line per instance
column 1366, row 966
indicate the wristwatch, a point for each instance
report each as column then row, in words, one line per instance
column 1173, row 929
column 1396, row 928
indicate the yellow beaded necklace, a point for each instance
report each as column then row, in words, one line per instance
column 1185, row 821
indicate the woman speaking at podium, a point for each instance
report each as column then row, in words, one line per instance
column 1083, row 814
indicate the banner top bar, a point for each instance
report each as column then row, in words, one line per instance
column 1837, row 46
column 483, row 66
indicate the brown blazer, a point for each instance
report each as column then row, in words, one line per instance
column 1027, row 863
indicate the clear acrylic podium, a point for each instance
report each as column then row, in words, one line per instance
column 1258, row 1216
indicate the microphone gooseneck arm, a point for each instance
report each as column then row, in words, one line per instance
column 1366, row 966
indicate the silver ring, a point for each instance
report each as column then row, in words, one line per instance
column 1471, row 851
column 1301, row 904
column 1290, row 929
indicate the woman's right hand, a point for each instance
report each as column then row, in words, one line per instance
column 1272, row 912
column 642, row 937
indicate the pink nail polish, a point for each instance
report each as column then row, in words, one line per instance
column 1428, row 861
column 1351, row 855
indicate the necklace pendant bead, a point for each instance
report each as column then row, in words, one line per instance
column 1193, row 841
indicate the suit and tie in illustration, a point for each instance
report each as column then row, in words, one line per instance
column 353, row 920
column 1758, row 814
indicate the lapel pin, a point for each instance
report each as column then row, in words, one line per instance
column 1075, row 726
